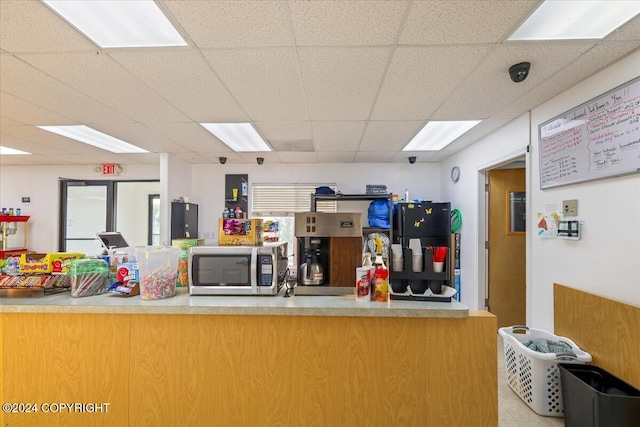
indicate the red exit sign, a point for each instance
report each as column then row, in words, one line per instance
column 109, row 169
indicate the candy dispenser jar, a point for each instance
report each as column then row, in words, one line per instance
column 158, row 268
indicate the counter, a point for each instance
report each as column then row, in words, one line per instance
column 247, row 361
column 277, row 305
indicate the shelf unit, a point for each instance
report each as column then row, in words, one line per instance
column 8, row 219
column 360, row 197
column 357, row 197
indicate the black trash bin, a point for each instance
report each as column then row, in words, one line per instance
column 593, row 397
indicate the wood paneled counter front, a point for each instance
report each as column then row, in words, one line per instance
column 245, row 361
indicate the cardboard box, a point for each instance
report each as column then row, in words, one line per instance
column 54, row 262
column 186, row 243
column 128, row 272
column 235, row 232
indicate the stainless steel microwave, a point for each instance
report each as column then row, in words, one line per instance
column 238, row 270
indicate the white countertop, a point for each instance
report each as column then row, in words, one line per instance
column 183, row 303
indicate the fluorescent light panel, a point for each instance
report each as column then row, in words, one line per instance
column 238, row 136
column 437, row 135
column 562, row 20
column 91, row 136
column 117, row 23
column 6, row 151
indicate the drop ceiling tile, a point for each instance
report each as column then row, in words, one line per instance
column 30, row 26
column 214, row 157
column 265, row 82
column 284, row 131
column 12, row 141
column 18, row 160
column 584, row 66
column 100, row 77
column 269, row 157
column 31, row 84
column 421, row 157
column 4, row 120
column 629, row 31
column 387, row 135
column 337, row 136
column 340, row 83
column 191, row 136
column 346, row 23
column 458, row 22
column 26, row 112
column 374, row 157
column 185, row 79
column 336, row 157
column 490, row 89
column 64, row 159
column 48, row 139
column 297, row 157
column 193, row 158
column 139, row 158
column 420, row 79
column 141, row 136
column 233, row 23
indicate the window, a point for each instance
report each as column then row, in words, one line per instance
column 279, row 202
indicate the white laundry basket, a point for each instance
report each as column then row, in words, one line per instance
column 535, row 376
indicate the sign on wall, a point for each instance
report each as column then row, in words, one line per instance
column 597, row 139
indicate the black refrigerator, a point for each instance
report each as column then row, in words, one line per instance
column 184, row 220
column 430, row 223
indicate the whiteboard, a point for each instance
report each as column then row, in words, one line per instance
column 597, row 139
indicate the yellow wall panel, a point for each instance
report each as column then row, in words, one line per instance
column 57, row 359
column 608, row 330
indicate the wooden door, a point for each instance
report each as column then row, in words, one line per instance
column 507, row 235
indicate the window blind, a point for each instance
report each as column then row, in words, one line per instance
column 287, row 199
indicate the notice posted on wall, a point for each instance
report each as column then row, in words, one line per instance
column 598, row 139
column 548, row 223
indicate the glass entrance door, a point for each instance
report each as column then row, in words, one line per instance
column 85, row 211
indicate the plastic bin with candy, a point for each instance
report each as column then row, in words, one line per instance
column 158, row 271
column 89, row 276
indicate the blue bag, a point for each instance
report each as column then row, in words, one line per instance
column 379, row 213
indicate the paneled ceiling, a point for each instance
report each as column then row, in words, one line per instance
column 321, row 81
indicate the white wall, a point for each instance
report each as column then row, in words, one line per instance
column 175, row 183
column 132, row 210
column 606, row 261
column 468, row 194
column 41, row 184
column 422, row 180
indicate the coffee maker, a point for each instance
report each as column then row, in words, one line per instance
column 312, row 270
column 329, row 249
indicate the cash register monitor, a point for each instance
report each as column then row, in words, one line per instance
column 112, row 240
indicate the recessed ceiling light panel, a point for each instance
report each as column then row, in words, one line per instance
column 437, row 135
column 240, row 137
column 93, row 137
column 566, row 20
column 118, row 23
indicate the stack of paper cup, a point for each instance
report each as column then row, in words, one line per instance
column 417, row 261
column 416, row 249
column 397, row 260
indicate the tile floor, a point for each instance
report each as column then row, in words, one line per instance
column 512, row 411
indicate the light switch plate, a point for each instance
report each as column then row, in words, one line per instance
column 570, row 207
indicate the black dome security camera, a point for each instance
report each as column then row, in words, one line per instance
column 519, row 72
column 223, row 160
column 412, row 159
column 260, row 160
